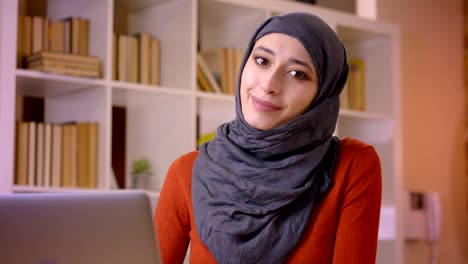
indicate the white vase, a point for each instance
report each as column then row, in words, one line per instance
column 142, row 181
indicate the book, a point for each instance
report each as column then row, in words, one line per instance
column 144, row 44
column 40, row 155
column 22, row 154
column 202, row 81
column 234, row 60
column 65, row 176
column 130, row 67
column 64, row 64
column 86, row 154
column 67, row 71
column 115, row 51
column 31, row 180
column 57, row 56
column 68, row 64
column 133, row 59
column 357, row 85
column 203, row 71
column 136, row 58
column 57, row 36
column 68, row 177
column 27, row 35
column 83, row 47
column 231, row 71
column 67, row 31
column 344, row 97
column 155, row 52
column 46, row 34
column 75, row 35
column 82, row 152
column 121, row 58
column 47, row 154
column 56, row 162
column 93, row 157
column 216, row 59
column 24, row 41
column 239, row 55
column 20, row 41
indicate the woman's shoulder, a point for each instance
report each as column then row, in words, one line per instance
column 183, row 164
column 187, row 158
column 357, row 156
column 353, row 143
column 180, row 171
column 354, row 148
column 357, row 162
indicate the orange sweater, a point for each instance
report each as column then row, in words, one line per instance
column 342, row 228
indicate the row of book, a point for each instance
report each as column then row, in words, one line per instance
column 63, row 63
column 36, row 33
column 354, row 93
column 217, row 69
column 136, row 58
column 57, row 155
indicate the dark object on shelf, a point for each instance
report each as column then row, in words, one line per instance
column 119, row 123
column 307, row 1
column 33, row 109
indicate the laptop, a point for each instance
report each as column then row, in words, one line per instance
column 83, row 227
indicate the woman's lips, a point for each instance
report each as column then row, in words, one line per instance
column 264, row 105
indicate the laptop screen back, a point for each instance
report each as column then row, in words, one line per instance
column 85, row 227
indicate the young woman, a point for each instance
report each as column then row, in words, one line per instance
column 274, row 185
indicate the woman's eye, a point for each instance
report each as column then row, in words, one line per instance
column 298, row 75
column 261, row 60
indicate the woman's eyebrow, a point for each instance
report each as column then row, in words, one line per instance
column 303, row 63
column 267, row 50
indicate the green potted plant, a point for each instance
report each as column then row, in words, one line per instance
column 141, row 173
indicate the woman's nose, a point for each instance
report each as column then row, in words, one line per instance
column 271, row 82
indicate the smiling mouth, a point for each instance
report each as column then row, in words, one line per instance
column 264, row 105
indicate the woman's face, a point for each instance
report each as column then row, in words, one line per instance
column 278, row 83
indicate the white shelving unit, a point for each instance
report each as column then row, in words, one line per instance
column 162, row 121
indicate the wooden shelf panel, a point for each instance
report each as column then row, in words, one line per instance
column 41, row 84
column 131, row 94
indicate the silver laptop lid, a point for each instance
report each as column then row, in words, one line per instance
column 69, row 228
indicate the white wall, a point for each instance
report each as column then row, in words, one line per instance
column 433, row 115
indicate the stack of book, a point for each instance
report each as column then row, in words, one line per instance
column 57, row 155
column 136, row 58
column 218, row 68
column 36, row 33
column 353, row 95
column 65, row 63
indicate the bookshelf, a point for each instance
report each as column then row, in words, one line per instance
column 163, row 121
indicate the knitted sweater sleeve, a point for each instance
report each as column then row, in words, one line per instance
column 172, row 221
column 358, row 223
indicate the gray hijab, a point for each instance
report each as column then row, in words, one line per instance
column 253, row 191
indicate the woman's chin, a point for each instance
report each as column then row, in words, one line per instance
column 262, row 124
